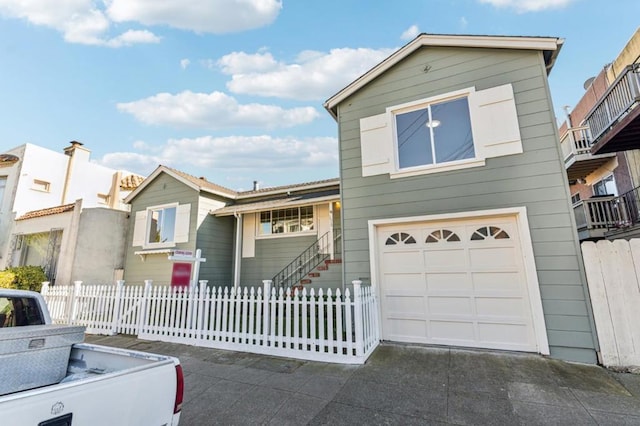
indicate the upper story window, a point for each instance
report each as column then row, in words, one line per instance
column 286, row 221
column 606, row 186
column 41, row 185
column 162, row 226
column 451, row 131
column 434, row 134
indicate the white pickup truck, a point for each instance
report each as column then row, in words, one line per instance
column 46, row 379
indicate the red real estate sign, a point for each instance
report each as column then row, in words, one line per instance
column 181, row 274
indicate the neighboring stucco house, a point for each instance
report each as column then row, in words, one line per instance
column 73, row 243
column 245, row 237
column 40, row 187
column 455, row 199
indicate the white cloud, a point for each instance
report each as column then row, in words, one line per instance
column 529, row 5
column 231, row 153
column 410, row 33
column 240, row 62
column 204, row 16
column 90, row 21
column 80, row 21
column 184, row 63
column 313, row 76
column 213, row 110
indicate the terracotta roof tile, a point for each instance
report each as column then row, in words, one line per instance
column 47, row 212
column 130, row 182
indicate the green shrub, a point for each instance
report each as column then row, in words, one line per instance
column 23, row 278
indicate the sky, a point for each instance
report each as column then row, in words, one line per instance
column 233, row 90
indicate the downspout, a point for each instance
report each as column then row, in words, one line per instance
column 238, row 251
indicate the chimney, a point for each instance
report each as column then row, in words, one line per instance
column 256, row 185
column 76, row 155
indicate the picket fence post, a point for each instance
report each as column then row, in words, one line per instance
column 115, row 318
column 44, row 290
column 75, row 295
column 142, row 315
column 265, row 310
column 357, row 317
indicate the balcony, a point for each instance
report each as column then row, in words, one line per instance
column 609, row 216
column 576, row 151
column 615, row 121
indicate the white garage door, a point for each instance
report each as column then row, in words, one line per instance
column 458, row 283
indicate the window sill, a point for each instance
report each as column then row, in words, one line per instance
column 286, row 235
column 457, row 165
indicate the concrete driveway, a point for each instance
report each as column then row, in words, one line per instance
column 398, row 385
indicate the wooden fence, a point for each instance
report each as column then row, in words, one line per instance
column 613, row 275
column 322, row 326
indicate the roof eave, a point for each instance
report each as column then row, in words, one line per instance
column 552, row 44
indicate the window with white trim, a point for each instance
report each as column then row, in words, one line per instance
column 286, row 221
column 434, row 134
column 451, row 131
column 162, row 226
column 3, row 185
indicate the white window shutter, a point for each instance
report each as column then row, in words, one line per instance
column 140, row 229
column 376, row 145
column 183, row 216
column 494, row 121
column 249, row 235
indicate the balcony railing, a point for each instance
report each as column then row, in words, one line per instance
column 598, row 215
column 576, row 141
column 616, row 101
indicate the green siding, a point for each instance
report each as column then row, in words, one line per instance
column 272, row 254
column 535, row 179
column 163, row 189
column 216, row 240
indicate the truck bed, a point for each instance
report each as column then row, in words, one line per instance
column 103, row 386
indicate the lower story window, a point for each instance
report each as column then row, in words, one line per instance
column 286, row 221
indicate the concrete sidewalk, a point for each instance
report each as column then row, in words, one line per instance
column 398, row 385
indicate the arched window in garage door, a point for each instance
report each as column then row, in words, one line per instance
column 400, row 238
column 442, row 235
column 489, row 232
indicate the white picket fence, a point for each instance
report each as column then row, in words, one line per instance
column 326, row 325
column 613, row 275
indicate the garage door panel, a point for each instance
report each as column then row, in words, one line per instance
column 405, row 306
column 491, row 258
column 452, row 281
column 512, row 334
column 503, row 307
column 437, row 260
column 496, row 281
column 402, row 261
column 405, row 283
column 406, row 330
column 451, row 306
column 452, row 331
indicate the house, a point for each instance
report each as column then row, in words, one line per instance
column 455, row 201
column 283, row 233
column 45, row 196
column 601, row 147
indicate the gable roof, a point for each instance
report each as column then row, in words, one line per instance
column 198, row 184
column 550, row 46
